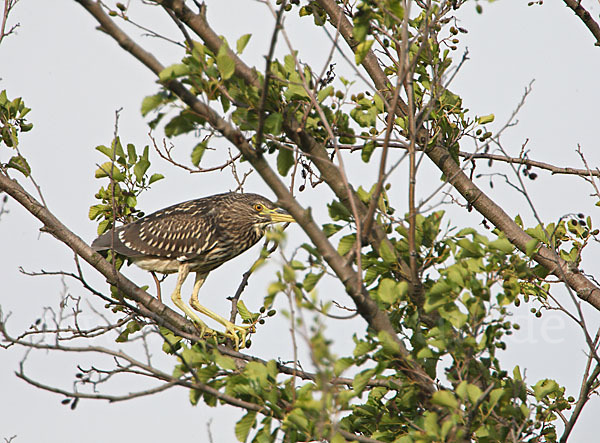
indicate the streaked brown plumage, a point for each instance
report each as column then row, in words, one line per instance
column 195, row 236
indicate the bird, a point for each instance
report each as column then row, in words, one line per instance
column 196, row 236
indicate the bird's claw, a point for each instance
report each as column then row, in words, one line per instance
column 231, row 332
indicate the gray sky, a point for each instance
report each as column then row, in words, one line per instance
column 74, row 78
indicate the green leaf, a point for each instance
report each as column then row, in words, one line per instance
column 445, row 398
column 225, row 63
column 140, row 169
column 106, row 151
column 224, row 361
column 503, row 245
column 95, row 211
column 330, row 228
column 273, row 123
column 105, row 170
column 362, row 50
column 173, row 71
column 118, row 147
column 243, row 311
column 242, row 427
column 544, row 387
column 361, row 379
column 367, row 150
column 311, row 280
column 341, row 364
column 387, row 291
column 285, row 160
column 289, row 275
column 337, row 438
column 388, row 343
column 151, row 102
column 337, row 211
column 242, row 42
column 155, row 177
column 131, row 154
column 362, row 347
column 198, row 152
column 19, row 163
column 531, row 247
column 324, row 93
column 346, row 244
column 386, row 253
column 485, row 119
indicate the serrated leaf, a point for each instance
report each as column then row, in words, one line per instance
column 285, row 160
column 242, row 427
column 241, row 43
column 225, row 63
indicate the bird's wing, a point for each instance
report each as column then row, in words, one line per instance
column 183, row 232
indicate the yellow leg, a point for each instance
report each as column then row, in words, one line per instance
column 230, row 328
column 184, row 271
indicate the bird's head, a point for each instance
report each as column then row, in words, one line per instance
column 257, row 210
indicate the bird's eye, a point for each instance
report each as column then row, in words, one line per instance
column 258, row 207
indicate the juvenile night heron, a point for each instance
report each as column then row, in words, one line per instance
column 196, row 236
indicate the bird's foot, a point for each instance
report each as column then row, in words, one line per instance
column 239, row 340
column 203, row 330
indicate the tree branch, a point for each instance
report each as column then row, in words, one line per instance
column 586, row 18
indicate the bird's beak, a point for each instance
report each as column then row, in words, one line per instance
column 279, row 215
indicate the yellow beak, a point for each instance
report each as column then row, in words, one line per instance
column 279, row 215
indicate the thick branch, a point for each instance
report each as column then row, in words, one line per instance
column 585, row 17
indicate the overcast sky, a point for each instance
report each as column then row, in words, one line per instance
column 74, row 78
